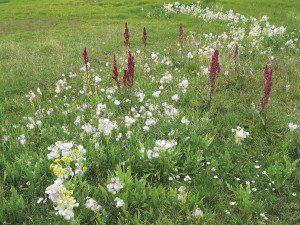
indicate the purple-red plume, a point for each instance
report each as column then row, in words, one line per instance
column 128, row 78
column 214, row 71
column 115, row 73
column 86, row 58
column 268, row 73
column 144, row 39
column 181, row 34
column 126, row 36
column 130, row 70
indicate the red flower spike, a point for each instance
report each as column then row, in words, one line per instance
column 115, row 73
column 125, row 78
column 126, row 36
column 86, row 59
column 214, row 71
column 130, row 70
column 268, row 73
column 144, row 38
column 181, row 34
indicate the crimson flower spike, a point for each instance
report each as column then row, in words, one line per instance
column 126, row 36
column 86, row 59
column 268, row 73
column 181, row 34
column 130, row 70
column 115, row 73
column 125, row 83
column 144, row 39
column 214, row 71
column 236, row 54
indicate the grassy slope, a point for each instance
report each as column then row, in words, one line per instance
column 40, row 40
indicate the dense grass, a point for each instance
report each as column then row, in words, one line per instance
column 40, row 40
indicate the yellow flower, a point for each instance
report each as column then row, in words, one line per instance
column 57, row 171
column 56, row 160
column 75, row 151
column 66, row 159
column 51, row 166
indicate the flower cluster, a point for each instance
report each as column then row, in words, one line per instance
column 240, row 134
column 160, row 146
column 67, row 162
column 268, row 86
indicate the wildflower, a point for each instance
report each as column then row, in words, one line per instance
column 119, row 202
column 214, row 71
column 268, row 85
column 182, row 194
column 115, row 185
column 117, row 102
column 86, row 59
column 106, row 126
column 126, row 36
column 190, row 55
column 129, row 121
column 175, row 97
column 198, row 213
column 144, row 39
column 187, row 179
column 156, row 94
column 128, row 78
column 184, row 120
column 293, row 126
column 92, row 205
column 22, row 139
column 115, row 73
column 240, row 134
column 184, row 84
column 181, row 34
column 62, row 199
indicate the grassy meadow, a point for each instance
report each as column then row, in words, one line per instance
column 203, row 176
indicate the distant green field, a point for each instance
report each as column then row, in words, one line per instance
column 40, row 40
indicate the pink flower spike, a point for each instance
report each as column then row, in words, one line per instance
column 126, row 36
column 268, row 73
column 214, row 71
column 181, row 34
column 115, row 73
column 144, row 39
column 86, row 59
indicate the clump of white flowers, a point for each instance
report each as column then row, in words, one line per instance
column 67, row 161
column 115, row 185
column 182, row 194
column 198, row 213
column 106, row 126
column 62, row 198
column 293, row 126
column 160, row 146
column 119, row 202
column 92, row 205
column 240, row 134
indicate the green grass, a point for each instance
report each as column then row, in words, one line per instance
column 40, row 40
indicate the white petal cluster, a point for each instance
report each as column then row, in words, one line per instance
column 64, row 202
column 293, row 126
column 92, row 205
column 182, row 194
column 115, row 185
column 240, row 134
column 106, row 126
column 68, row 161
column 160, row 146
